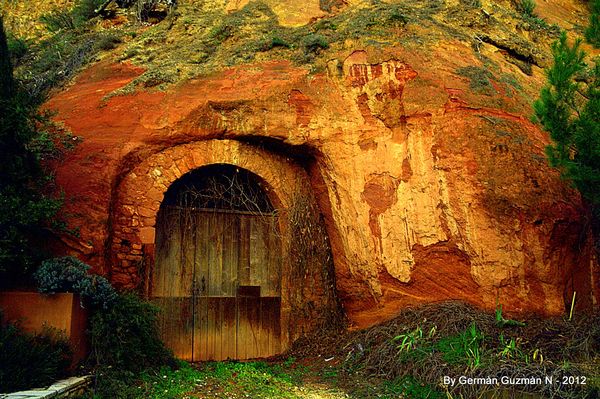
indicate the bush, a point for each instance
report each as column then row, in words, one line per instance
column 125, row 336
column 107, row 41
column 17, row 48
column 275, row 41
column 58, row 19
column 85, row 10
column 26, row 208
column 124, row 342
column 57, row 60
column 592, row 33
column 573, row 124
column 314, row 43
column 526, row 7
column 69, row 274
column 28, row 360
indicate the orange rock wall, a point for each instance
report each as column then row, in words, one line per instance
column 429, row 191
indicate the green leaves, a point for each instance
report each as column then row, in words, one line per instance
column 569, row 110
column 28, row 361
column 592, row 33
column 26, row 137
column 125, row 336
column 69, row 274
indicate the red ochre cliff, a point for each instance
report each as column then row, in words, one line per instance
column 430, row 177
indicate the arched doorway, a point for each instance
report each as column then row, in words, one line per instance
column 217, row 272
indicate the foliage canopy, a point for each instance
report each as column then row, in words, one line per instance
column 569, row 109
column 26, row 139
column 592, row 32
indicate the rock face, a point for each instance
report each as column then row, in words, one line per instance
column 430, row 187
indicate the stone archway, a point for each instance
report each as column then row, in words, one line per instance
column 142, row 191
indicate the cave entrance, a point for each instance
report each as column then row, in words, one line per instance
column 217, row 274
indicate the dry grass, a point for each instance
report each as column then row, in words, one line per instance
column 543, row 347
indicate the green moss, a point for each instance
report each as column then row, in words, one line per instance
column 479, row 79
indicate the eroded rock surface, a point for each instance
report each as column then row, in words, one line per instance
column 430, row 186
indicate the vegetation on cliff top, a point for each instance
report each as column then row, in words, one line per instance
column 200, row 38
column 203, row 38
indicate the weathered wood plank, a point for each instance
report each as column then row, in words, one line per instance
column 252, row 338
column 175, row 325
column 230, row 254
column 213, row 331
column 265, row 322
column 168, row 256
column 276, row 331
column 201, row 329
column 215, row 255
column 273, row 259
column 202, row 258
column 257, row 253
column 182, row 277
column 243, row 328
column 229, row 330
column 244, row 252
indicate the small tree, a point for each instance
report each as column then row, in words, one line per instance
column 592, row 32
column 569, row 109
column 24, row 208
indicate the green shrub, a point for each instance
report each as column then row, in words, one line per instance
column 314, row 43
column 568, row 109
column 125, row 336
column 69, row 274
column 26, row 209
column 28, row 361
column 58, row 58
column 592, row 32
column 58, row 19
column 84, row 10
column 222, row 32
column 526, row 7
column 397, row 17
column 17, row 47
column 479, row 79
column 276, row 41
column 107, row 41
column 464, row 348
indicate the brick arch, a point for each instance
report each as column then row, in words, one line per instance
column 141, row 192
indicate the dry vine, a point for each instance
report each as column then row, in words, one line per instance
column 312, row 264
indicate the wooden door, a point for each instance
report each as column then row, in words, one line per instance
column 217, row 280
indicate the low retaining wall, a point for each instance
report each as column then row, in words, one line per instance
column 69, row 388
column 31, row 311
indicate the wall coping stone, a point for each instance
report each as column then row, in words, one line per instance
column 60, row 389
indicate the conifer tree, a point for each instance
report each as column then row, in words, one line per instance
column 569, row 109
column 592, row 32
column 24, row 208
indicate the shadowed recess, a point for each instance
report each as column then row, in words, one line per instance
column 219, row 186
